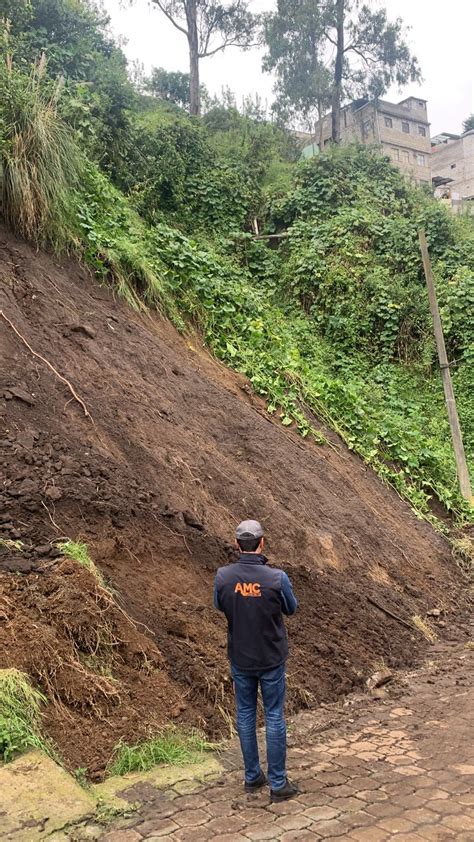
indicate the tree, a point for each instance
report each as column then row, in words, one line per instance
column 173, row 86
column 209, row 27
column 361, row 49
column 468, row 124
column 75, row 38
column 294, row 39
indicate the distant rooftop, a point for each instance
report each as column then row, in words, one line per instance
column 419, row 98
column 444, row 137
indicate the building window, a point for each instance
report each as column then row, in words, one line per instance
column 420, row 160
column 406, row 156
column 394, row 153
column 405, row 126
column 389, row 122
column 366, row 127
column 422, row 131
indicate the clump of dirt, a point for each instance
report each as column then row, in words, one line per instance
column 94, row 664
column 176, row 451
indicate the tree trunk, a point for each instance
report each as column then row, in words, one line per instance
column 339, row 66
column 193, row 42
column 320, row 123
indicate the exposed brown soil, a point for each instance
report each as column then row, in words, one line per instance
column 176, row 451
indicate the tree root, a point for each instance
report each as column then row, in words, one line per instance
column 53, row 369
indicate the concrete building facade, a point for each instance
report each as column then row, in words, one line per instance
column 453, row 170
column 401, row 129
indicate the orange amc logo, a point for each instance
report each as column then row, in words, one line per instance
column 248, row 589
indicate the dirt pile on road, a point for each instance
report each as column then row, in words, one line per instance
column 94, row 664
column 175, row 451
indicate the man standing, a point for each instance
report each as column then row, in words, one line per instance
column 254, row 598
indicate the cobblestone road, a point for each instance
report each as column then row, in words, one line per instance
column 398, row 767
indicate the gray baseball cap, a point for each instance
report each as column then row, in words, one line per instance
column 249, row 529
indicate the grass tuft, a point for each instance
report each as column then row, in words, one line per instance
column 20, row 715
column 463, row 553
column 424, row 627
column 10, row 544
column 78, row 551
column 81, row 776
column 40, row 161
column 171, row 746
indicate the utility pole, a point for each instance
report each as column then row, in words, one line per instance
column 461, row 464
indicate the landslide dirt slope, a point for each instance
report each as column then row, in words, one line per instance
column 176, row 451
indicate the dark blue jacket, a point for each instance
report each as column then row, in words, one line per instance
column 254, row 598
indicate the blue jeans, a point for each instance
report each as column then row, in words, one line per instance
column 272, row 683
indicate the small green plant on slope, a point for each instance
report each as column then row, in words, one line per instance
column 170, row 746
column 78, row 551
column 80, row 774
column 10, row 544
column 20, row 715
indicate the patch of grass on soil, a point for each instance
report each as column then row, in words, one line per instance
column 424, row 627
column 20, row 715
column 171, row 746
column 463, row 553
column 80, row 774
column 79, row 552
column 9, row 544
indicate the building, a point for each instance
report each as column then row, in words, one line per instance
column 452, row 163
column 401, row 129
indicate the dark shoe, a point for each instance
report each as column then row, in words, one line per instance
column 256, row 784
column 285, row 793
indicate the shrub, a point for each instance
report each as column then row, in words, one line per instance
column 41, row 164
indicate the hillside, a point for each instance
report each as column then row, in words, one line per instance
column 175, row 451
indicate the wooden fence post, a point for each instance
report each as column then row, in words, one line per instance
column 461, row 464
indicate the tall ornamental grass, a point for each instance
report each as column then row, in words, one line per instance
column 40, row 162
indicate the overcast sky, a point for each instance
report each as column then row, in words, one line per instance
column 441, row 37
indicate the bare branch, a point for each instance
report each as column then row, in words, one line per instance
column 210, row 27
column 229, row 43
column 222, row 46
column 170, row 17
column 365, row 58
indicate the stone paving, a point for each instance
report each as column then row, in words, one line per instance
column 369, row 770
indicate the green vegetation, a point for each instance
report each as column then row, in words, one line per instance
column 80, row 774
column 468, row 123
column 10, row 544
column 79, row 552
column 334, row 322
column 39, row 158
column 97, row 93
column 20, row 715
column 170, row 746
